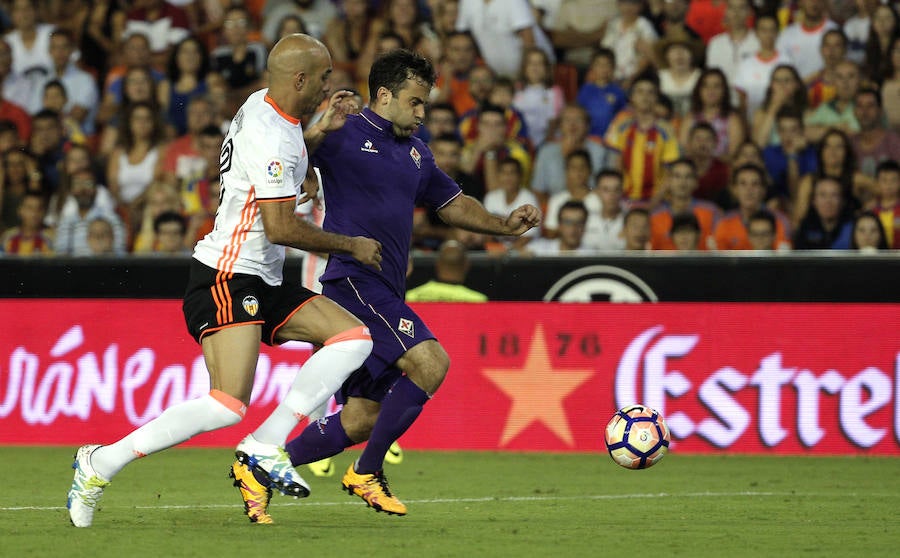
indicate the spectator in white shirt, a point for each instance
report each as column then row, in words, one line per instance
column 802, row 41
column 727, row 50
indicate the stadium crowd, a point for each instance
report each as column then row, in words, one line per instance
column 634, row 124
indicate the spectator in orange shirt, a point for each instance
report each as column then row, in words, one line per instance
column 750, row 190
column 685, row 232
column 681, row 181
column 761, row 230
column 454, row 72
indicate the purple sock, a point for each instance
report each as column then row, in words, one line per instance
column 320, row 439
column 399, row 410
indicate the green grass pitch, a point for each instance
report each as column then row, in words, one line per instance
column 180, row 503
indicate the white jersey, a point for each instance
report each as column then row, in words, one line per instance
column 264, row 159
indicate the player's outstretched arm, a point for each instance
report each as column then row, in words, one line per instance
column 340, row 106
column 467, row 213
column 283, row 227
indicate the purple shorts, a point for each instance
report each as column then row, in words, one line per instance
column 395, row 329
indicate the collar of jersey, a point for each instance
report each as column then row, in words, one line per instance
column 384, row 126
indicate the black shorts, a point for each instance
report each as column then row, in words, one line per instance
column 215, row 300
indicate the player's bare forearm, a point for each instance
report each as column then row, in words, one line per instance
column 467, row 213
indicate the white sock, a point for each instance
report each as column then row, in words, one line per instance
column 319, row 379
column 176, row 424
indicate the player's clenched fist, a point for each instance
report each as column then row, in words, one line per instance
column 366, row 250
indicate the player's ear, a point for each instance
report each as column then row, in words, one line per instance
column 384, row 95
column 299, row 80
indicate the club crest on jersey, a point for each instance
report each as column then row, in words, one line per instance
column 250, row 304
column 274, row 171
column 417, row 159
column 368, row 147
column 407, row 327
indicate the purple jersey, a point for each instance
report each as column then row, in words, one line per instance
column 373, row 181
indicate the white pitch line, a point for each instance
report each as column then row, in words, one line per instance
column 355, row 502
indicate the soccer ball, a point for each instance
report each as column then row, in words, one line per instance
column 637, row 437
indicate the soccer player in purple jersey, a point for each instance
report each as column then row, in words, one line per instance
column 376, row 172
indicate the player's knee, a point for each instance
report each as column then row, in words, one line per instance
column 227, row 410
column 356, row 341
column 358, row 426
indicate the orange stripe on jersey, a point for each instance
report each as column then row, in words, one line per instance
column 239, row 234
column 282, row 199
column 281, row 113
column 233, row 404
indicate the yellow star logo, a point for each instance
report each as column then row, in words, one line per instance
column 537, row 391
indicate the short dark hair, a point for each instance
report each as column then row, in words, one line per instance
column 702, row 126
column 448, row 137
column 169, row 217
column 582, row 153
column 686, row 220
column 683, row 161
column 647, row 75
column 867, row 90
column 763, row 215
column 888, row 165
column 636, row 210
column 604, row 52
column 611, row 173
column 573, row 204
column 511, row 162
column 391, row 70
column 750, row 167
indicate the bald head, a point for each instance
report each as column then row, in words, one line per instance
column 452, row 263
column 299, row 66
column 295, row 53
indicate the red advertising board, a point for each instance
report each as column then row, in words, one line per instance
column 749, row 378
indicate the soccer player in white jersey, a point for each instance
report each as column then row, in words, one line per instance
column 236, row 297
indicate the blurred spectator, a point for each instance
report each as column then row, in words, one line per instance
column 630, row 36
column 726, row 51
column 182, row 160
column 643, row 142
column 890, row 87
column 429, row 230
column 711, row 103
column 857, row 29
column 837, row 161
column 15, row 90
column 289, row 25
column 170, row 230
column 240, row 60
column 883, row 34
column 802, row 41
column 549, row 166
column 138, row 88
column 500, row 95
column 164, row 24
column 785, row 91
column 837, row 113
column 681, row 180
column 754, row 74
column 130, row 167
column 670, row 22
column 101, row 238
column 888, row 205
column 54, row 98
column 346, row 35
column 90, row 201
column 77, row 158
column 822, row 86
column 791, row 160
column 98, row 34
column 450, row 269
column 600, row 96
column 684, row 232
column 452, row 86
column 712, row 172
column 195, row 191
column 510, row 194
column 868, row 234
column 502, row 29
column 481, row 157
column 315, row 15
column 9, row 136
column 636, row 229
column 578, row 188
column 761, row 230
column 158, row 199
column 405, row 19
column 827, row 225
column 610, row 190
column 578, row 27
column 83, row 99
column 874, row 143
column 538, row 99
column 571, row 218
column 440, row 119
column 29, row 41
column 31, row 237
column 20, row 174
column 678, row 72
column 48, row 143
column 135, row 53
column 185, row 80
column 750, row 190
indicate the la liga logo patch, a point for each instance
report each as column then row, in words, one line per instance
column 274, row 171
